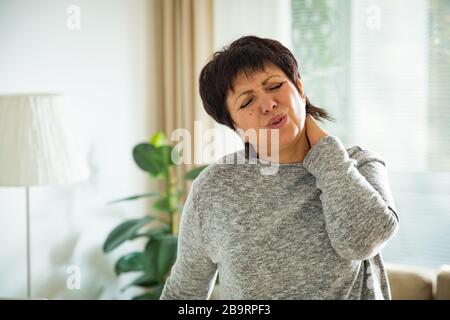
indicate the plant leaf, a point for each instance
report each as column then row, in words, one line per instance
column 135, row 197
column 148, row 158
column 169, row 154
column 159, row 256
column 153, row 232
column 130, row 262
column 153, row 294
column 158, row 139
column 150, row 258
column 162, row 204
column 146, row 296
column 142, row 281
column 123, row 232
column 192, row 174
column 167, row 252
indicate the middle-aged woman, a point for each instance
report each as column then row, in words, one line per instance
column 315, row 228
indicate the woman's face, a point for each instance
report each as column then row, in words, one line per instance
column 262, row 96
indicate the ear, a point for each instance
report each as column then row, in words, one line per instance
column 300, row 87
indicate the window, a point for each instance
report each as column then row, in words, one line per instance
column 382, row 69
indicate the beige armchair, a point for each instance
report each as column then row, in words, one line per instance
column 414, row 283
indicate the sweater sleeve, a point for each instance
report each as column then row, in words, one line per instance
column 357, row 203
column 193, row 274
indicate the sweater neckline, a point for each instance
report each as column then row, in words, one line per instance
column 261, row 162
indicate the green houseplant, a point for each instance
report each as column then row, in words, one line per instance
column 159, row 253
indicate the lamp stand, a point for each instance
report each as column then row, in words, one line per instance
column 28, row 244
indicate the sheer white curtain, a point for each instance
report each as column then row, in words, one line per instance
column 382, row 68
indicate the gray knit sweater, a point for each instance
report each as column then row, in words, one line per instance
column 307, row 230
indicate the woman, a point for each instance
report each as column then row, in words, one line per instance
column 312, row 230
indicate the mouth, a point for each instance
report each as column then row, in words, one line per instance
column 278, row 122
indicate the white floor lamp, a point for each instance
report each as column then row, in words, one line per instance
column 38, row 146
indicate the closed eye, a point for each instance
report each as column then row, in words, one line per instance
column 248, row 102
column 276, row 87
column 273, row 88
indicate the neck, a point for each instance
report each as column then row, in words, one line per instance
column 294, row 152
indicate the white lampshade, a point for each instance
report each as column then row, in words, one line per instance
column 38, row 143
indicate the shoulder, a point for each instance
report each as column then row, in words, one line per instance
column 223, row 170
column 332, row 146
column 364, row 155
column 214, row 187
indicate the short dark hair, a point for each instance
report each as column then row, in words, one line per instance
column 246, row 54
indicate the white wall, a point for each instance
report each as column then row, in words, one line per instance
column 104, row 69
column 263, row 18
column 236, row 18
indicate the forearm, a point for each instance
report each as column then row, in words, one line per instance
column 358, row 220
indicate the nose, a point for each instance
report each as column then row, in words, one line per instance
column 267, row 104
